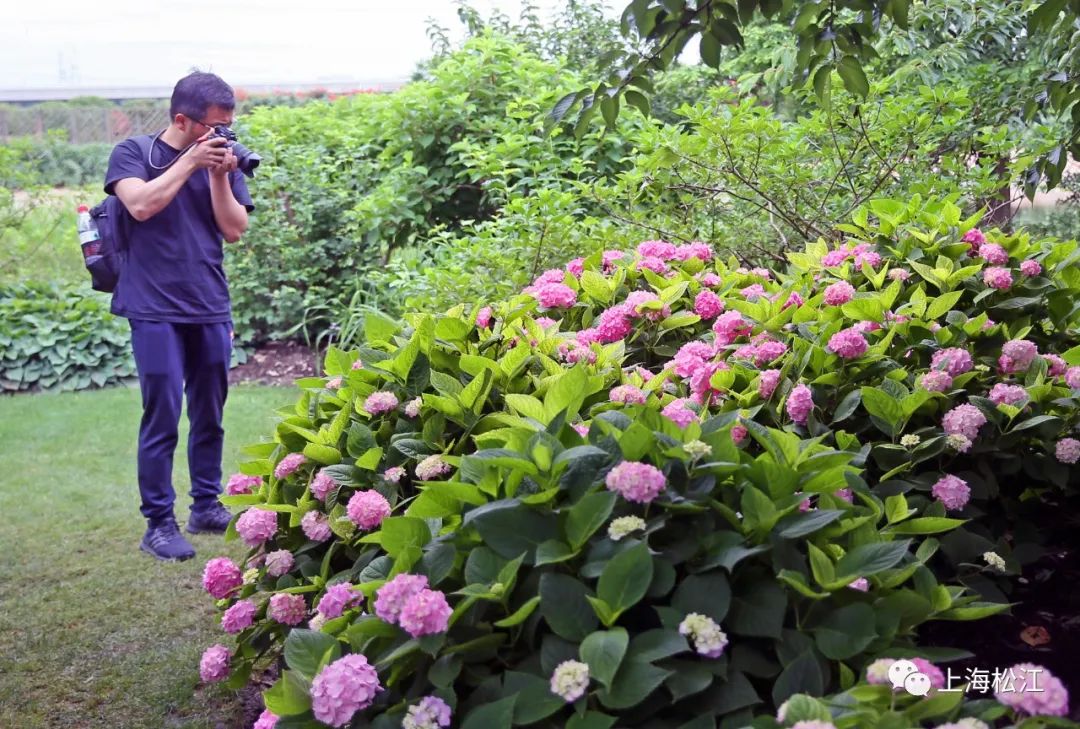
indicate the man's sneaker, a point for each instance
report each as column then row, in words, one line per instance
column 165, row 542
column 213, row 520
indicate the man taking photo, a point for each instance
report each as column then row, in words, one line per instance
column 184, row 196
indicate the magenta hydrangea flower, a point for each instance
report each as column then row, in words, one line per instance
column 1068, row 450
column 768, row 350
column 974, row 237
column 636, row 482
column 835, row 258
column 767, row 383
column 936, row 381
column 576, row 266
column 288, row 465
column 380, row 402
column 221, row 576
column 729, row 326
column 552, row 275
column 556, row 296
column 993, row 254
column 794, row 300
column 1072, row 378
column 696, row 249
column 937, row 678
column 609, row 258
column 483, row 317
column 701, row 381
column 845, row 494
column 238, row 617
column 344, row 687
column 316, row 526
column 711, row 279
column 367, row 509
column 998, row 277
column 839, row 293
column 955, row 361
column 581, row 429
column 739, row 434
column 951, row 491
column 432, row 467
column 256, row 526
column 753, row 292
column 266, row 720
column 391, row 597
column 691, row 357
column 635, row 301
column 241, row 484
column 425, row 613
column 279, row 562
column 799, row 404
column 861, row 584
column 708, row 305
column 337, row 599
column 322, row 485
column 394, row 474
column 964, row 420
column 679, row 412
column 1030, row 268
column 652, row 263
column 848, row 343
column 1007, row 394
column 657, row 249
column 867, row 258
column 1032, row 690
column 614, row 324
column 287, row 609
column 1055, row 365
column 214, row 664
column 430, row 713
column 628, row 395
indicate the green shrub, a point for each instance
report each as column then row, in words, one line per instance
column 56, row 338
column 53, row 162
column 763, row 511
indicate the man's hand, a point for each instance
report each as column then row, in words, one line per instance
column 208, row 153
column 226, row 166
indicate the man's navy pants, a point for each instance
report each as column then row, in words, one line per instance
column 173, row 360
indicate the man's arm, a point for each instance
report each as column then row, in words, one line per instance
column 145, row 199
column 231, row 217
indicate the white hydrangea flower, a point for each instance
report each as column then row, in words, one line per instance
column 251, row 575
column 623, row 526
column 317, row 622
column 413, row 408
column 708, row 639
column 994, row 560
column 910, row 441
column 698, row 449
column 570, row 680
column 958, row 442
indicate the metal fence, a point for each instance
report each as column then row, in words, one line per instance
column 81, row 125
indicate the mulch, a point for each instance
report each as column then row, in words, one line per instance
column 276, row 363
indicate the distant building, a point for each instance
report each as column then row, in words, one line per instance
column 28, row 96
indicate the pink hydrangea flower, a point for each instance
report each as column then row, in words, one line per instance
column 1068, row 450
column 1033, row 690
column 767, row 383
column 937, row 678
column 652, row 263
column 1017, row 355
column 678, row 412
column 975, row 237
column 391, row 597
column 898, row 274
column 241, row 484
column 367, row 509
column 865, row 327
column 993, row 254
column 346, row 686
column 729, row 326
column 1007, row 394
column 581, row 429
column 964, row 420
column 279, row 562
column 998, row 277
column 839, row 293
column 628, row 394
column 574, row 352
column 799, row 404
column 357, row 365
column 835, row 258
column 936, row 381
column 739, row 434
column 334, row 383
column 867, row 258
column 316, row 526
column 862, row 584
column 556, row 296
column 952, row 491
column 214, row 664
column 287, row 609
column 256, row 526
column 691, row 357
column 697, row 249
column 425, row 613
column 545, row 321
column 845, row 494
column 576, row 266
column 238, row 617
column 710, row 279
column 1030, row 268
column 394, row 474
column 1072, row 378
column 288, row 465
column 337, row 599
column 608, row 259
column 1055, row 365
column 636, row 482
column 266, row 720
column 430, row 713
column 877, row 673
column 380, row 402
column 614, row 324
column 412, row 408
column 768, row 350
column 432, row 467
column 483, row 317
column 221, row 576
column 701, row 381
column 848, row 343
column 753, row 292
column 635, row 301
column 955, row 361
column 708, row 305
column 657, row 249
column 322, row 485
column 793, row 300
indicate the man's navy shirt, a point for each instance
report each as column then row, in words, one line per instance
column 172, row 266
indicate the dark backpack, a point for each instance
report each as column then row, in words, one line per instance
column 114, row 226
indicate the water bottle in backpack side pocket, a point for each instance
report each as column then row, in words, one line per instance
column 89, row 237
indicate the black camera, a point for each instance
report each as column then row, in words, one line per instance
column 246, row 160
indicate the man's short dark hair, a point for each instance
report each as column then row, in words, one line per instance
column 194, row 94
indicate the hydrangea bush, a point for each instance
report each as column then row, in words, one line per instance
column 657, row 489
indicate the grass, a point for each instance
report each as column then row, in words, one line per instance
column 94, row 633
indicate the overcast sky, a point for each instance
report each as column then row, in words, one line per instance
column 64, row 44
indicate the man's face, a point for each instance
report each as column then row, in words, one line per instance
column 196, row 128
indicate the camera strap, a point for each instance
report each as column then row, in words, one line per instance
column 150, row 153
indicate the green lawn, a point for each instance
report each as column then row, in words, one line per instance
column 93, row 632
